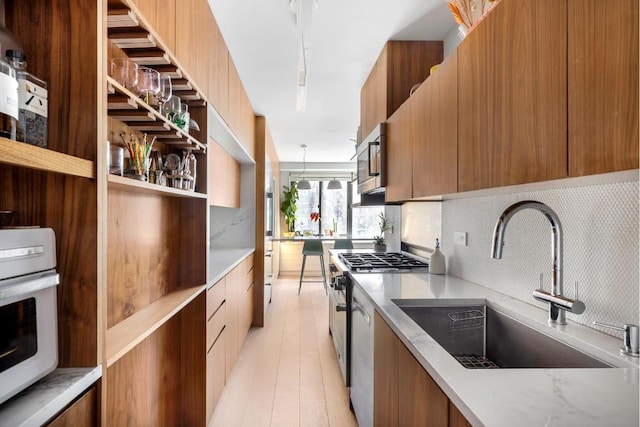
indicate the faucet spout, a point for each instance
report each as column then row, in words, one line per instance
column 556, row 311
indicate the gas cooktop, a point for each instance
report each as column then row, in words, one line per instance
column 385, row 261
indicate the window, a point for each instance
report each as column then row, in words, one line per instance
column 333, row 207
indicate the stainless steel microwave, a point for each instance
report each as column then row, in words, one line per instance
column 371, row 161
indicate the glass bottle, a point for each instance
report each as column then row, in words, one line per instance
column 32, row 102
column 8, row 101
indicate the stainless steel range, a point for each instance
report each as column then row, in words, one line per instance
column 351, row 318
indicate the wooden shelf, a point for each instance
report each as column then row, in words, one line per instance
column 125, row 106
column 127, row 184
column 29, row 156
column 124, row 336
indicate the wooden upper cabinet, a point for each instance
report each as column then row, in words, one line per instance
column 401, row 65
column 218, row 92
column 192, row 18
column 603, row 86
column 165, row 22
column 400, row 131
column 241, row 116
column 435, row 145
column 223, row 181
column 148, row 10
column 512, row 96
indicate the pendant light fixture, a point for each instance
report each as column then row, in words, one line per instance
column 304, row 184
column 334, row 184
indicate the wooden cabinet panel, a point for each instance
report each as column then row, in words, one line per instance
column 147, row 8
column 232, row 325
column 241, row 116
column 218, row 55
column 421, row 402
column 165, row 22
column 215, row 297
column 373, row 97
column 183, row 52
column 401, row 129
column 512, row 96
column 401, row 65
column 603, row 86
column 224, row 177
column 215, row 373
column 82, row 413
column 215, row 324
column 456, row 419
column 191, row 27
column 385, row 374
column 435, row 146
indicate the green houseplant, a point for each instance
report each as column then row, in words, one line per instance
column 288, row 206
column 384, row 224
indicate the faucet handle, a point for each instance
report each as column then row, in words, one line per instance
column 630, row 339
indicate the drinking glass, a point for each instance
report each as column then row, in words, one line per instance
column 165, row 91
column 172, row 108
column 125, row 72
column 148, row 83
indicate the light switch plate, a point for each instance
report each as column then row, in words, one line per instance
column 460, row 238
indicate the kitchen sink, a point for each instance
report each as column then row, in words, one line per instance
column 478, row 336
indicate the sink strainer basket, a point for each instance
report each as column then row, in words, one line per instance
column 466, row 320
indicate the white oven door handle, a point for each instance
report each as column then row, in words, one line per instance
column 356, row 306
column 28, row 284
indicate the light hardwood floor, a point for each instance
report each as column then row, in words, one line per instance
column 287, row 373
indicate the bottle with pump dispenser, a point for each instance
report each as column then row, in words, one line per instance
column 437, row 264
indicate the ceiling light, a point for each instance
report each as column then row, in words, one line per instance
column 304, row 184
column 334, row 184
column 303, row 10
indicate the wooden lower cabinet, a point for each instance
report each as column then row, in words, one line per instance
column 82, row 413
column 403, row 392
column 216, row 373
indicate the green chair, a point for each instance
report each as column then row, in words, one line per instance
column 312, row 248
column 343, row 244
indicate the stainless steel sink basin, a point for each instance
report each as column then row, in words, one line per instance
column 480, row 337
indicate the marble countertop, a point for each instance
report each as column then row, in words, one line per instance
column 222, row 261
column 37, row 404
column 507, row 397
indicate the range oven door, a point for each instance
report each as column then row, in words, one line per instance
column 371, row 162
column 338, row 325
column 29, row 332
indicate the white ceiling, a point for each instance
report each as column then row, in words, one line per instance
column 346, row 39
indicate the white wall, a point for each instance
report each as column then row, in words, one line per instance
column 600, row 224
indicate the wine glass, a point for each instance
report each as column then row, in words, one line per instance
column 165, row 91
column 148, row 83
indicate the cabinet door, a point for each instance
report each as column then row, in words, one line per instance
column 223, row 181
column 385, row 374
column 166, row 22
column 603, row 86
column 401, row 129
column 218, row 93
column 216, row 373
column 435, row 149
column 241, row 117
column 456, row 419
column 420, row 400
column 512, row 96
column 147, row 8
column 373, row 96
column 232, row 327
column 81, row 413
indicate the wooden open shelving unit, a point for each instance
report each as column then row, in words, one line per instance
column 32, row 157
column 117, row 182
column 122, row 337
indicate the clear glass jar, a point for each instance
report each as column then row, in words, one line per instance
column 8, row 101
column 32, row 102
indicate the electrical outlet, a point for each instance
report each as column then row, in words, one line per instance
column 460, row 238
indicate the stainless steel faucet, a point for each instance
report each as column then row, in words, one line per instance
column 558, row 303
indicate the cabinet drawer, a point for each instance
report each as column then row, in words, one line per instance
column 215, row 373
column 215, row 324
column 215, row 297
column 247, row 264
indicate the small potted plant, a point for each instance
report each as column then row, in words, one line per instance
column 384, row 224
column 288, row 208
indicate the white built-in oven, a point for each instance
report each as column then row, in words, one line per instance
column 28, row 309
column 371, row 162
